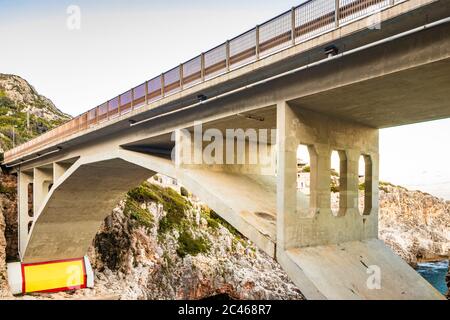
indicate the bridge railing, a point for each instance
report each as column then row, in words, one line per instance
column 297, row 25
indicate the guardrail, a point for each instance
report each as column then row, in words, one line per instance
column 297, row 25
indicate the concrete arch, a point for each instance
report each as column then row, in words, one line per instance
column 87, row 192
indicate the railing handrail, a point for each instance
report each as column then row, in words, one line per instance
column 83, row 122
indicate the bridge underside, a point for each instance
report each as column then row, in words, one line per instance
column 334, row 106
column 326, row 253
column 410, row 96
column 77, row 205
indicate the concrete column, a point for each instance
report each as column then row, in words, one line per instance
column 286, row 175
column 42, row 178
column 375, row 190
column 24, row 179
column 349, row 181
column 303, row 225
column 320, row 179
column 372, row 181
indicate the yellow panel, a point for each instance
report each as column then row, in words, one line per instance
column 54, row 276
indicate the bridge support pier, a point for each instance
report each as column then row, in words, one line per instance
column 335, row 255
column 311, row 221
column 24, row 207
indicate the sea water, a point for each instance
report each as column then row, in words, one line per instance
column 434, row 273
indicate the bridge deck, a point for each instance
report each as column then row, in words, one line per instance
column 271, row 42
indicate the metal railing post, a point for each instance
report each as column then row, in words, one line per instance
column 146, row 92
column 336, row 13
column 293, row 25
column 132, row 99
column 162, row 85
column 391, row 2
column 227, row 54
column 181, row 76
column 257, row 42
column 202, row 66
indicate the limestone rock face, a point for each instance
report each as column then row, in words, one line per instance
column 4, row 291
column 28, row 99
column 414, row 224
column 24, row 112
column 134, row 262
column 8, row 228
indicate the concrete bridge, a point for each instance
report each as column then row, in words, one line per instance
column 327, row 74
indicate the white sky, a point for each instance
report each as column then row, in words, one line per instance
column 123, row 43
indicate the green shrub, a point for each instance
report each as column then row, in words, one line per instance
column 187, row 245
column 184, row 192
column 214, row 221
column 135, row 212
column 8, row 191
column 306, row 169
column 214, row 224
column 6, row 102
column 173, row 203
column 144, row 193
column 224, row 223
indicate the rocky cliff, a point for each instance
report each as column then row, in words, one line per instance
column 158, row 244
column 8, row 228
column 25, row 110
column 414, row 224
column 24, row 114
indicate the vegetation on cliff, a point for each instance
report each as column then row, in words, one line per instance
column 159, row 244
column 176, row 207
column 24, row 114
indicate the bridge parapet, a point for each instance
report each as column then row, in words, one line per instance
column 302, row 23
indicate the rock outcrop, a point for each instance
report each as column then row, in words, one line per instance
column 8, row 228
column 414, row 224
column 19, row 91
column 4, row 291
column 176, row 248
column 157, row 244
column 25, row 110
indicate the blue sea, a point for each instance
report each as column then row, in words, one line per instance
column 434, row 273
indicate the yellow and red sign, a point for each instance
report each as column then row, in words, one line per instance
column 51, row 276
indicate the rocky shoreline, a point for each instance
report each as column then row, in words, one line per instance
column 416, row 225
